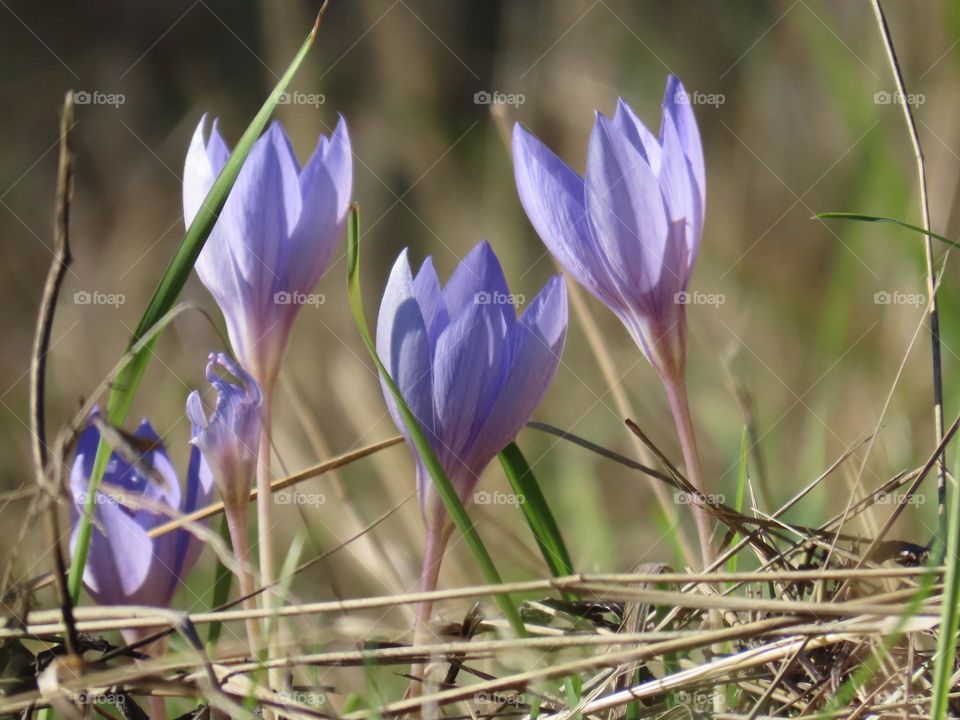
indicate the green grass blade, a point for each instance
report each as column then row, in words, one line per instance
column 950, row 615
column 536, row 511
column 164, row 297
column 455, row 508
column 741, row 486
column 880, row 219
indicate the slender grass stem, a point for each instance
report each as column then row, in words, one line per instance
column 938, row 544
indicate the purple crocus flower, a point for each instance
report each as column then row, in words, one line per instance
column 274, row 237
column 469, row 369
column 230, row 437
column 630, row 229
column 125, row 565
column 228, row 440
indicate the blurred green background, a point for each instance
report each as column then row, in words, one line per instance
column 794, row 121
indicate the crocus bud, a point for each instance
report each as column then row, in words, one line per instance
column 229, row 439
column 125, row 566
column 274, row 237
column 629, row 231
column 469, row 369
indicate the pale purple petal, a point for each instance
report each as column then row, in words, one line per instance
column 536, row 345
column 553, row 196
column 404, row 348
column 646, row 143
column 426, row 288
column 478, row 279
column 627, row 211
column 676, row 105
column 468, row 369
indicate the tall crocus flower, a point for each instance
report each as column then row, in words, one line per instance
column 272, row 242
column 228, row 440
column 629, row 231
column 468, row 368
column 125, row 565
column 274, row 238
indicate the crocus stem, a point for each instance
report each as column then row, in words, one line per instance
column 434, row 547
column 237, row 525
column 676, row 389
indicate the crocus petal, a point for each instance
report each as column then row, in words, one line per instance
column 325, row 187
column 426, row 288
column 553, row 196
column 646, row 143
column 677, row 183
column 478, row 279
column 199, row 170
column 468, row 370
column 229, row 439
column 404, row 347
column 676, row 105
column 199, row 494
column 536, row 345
column 120, row 556
column 627, row 211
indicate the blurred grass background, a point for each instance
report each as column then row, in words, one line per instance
column 799, row 130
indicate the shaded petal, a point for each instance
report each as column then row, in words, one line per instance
column 627, row 211
column 468, row 370
column 536, row 346
column 426, row 288
column 199, row 494
column 552, row 195
column 325, row 187
column 646, row 143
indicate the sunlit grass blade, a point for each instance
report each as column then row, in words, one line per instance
column 168, row 289
column 950, row 615
column 536, row 511
column 458, row 513
column 880, row 219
